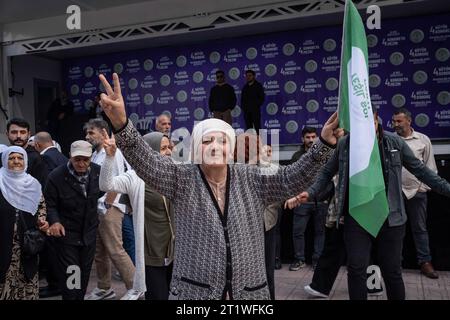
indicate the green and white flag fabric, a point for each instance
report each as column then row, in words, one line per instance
column 367, row 197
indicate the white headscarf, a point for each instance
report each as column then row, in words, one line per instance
column 205, row 127
column 2, row 148
column 20, row 189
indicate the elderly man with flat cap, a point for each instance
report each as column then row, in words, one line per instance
column 71, row 194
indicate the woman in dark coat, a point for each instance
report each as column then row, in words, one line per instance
column 22, row 207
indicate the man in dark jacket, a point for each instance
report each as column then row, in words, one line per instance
column 222, row 98
column 394, row 153
column 71, row 194
column 252, row 98
column 43, row 143
column 315, row 208
column 18, row 132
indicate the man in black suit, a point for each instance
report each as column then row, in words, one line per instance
column 71, row 194
column 43, row 143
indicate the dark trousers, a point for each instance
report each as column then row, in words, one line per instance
column 278, row 235
column 252, row 119
column 128, row 236
column 157, row 281
column 269, row 246
column 70, row 255
column 358, row 243
column 300, row 222
column 416, row 208
column 331, row 260
column 48, row 264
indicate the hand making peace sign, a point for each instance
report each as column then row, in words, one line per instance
column 112, row 102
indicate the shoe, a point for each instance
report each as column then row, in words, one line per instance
column 296, row 265
column 427, row 269
column 314, row 293
column 278, row 265
column 49, row 291
column 101, row 294
column 132, row 295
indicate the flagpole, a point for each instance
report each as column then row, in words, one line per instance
column 342, row 54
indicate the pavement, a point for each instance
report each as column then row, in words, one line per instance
column 289, row 285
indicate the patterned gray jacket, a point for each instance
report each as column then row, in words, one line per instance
column 218, row 254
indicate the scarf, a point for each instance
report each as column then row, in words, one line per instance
column 20, row 189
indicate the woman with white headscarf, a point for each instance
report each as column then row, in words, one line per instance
column 22, row 207
column 219, row 237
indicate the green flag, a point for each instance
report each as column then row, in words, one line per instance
column 367, row 197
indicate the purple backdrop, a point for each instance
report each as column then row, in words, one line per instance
column 409, row 66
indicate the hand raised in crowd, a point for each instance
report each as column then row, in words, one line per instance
column 297, row 200
column 56, row 230
column 109, row 144
column 43, row 225
column 112, row 102
column 330, row 132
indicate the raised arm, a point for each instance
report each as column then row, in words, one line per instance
column 159, row 172
column 110, row 183
column 292, row 179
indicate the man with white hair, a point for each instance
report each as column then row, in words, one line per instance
column 219, row 247
column 163, row 124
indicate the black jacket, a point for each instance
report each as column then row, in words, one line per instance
column 7, row 221
column 53, row 159
column 222, row 98
column 67, row 205
column 252, row 97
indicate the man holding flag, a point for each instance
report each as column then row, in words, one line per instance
column 370, row 164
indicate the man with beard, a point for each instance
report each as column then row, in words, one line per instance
column 414, row 191
column 112, row 211
column 316, row 209
column 18, row 132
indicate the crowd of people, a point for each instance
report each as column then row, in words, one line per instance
column 207, row 229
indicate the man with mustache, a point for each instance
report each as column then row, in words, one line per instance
column 414, row 191
column 18, row 132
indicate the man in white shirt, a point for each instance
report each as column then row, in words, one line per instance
column 415, row 192
column 111, row 214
